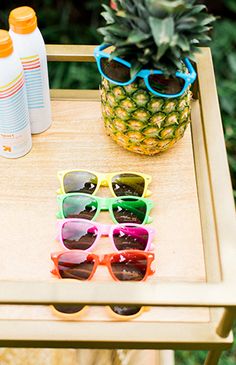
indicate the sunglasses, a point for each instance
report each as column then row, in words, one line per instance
column 133, row 265
column 120, row 183
column 81, row 234
column 126, row 209
column 118, row 312
column 117, row 71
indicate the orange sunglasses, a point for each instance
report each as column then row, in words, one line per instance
column 127, row 265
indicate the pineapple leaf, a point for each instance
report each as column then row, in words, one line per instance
column 162, row 30
column 120, row 52
column 108, row 10
column 164, row 6
column 183, row 43
column 108, row 15
column 121, row 13
column 136, row 67
column 128, row 5
column 108, row 18
column 137, row 36
column 208, row 20
column 197, row 9
column 113, row 29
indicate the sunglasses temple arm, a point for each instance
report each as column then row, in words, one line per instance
column 152, row 247
column 191, row 69
column 148, row 193
column 59, row 215
column 59, row 191
column 54, row 271
column 102, row 47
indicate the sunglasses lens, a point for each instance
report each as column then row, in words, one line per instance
column 130, row 238
column 78, row 235
column 125, row 310
column 76, row 265
column 79, row 207
column 68, row 308
column 167, row 85
column 129, row 210
column 129, row 266
column 115, row 71
column 80, row 182
column 128, row 184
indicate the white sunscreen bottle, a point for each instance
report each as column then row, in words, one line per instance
column 29, row 44
column 15, row 134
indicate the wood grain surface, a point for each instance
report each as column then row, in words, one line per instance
column 28, row 206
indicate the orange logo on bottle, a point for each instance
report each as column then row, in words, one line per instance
column 6, row 148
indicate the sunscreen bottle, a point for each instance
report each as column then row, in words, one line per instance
column 15, row 134
column 29, row 44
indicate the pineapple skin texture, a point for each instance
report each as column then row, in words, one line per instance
column 141, row 122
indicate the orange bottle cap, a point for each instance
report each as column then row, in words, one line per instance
column 6, row 47
column 23, row 20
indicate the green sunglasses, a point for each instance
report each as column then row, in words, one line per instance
column 123, row 209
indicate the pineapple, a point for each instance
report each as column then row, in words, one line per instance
column 150, row 34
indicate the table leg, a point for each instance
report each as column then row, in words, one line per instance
column 213, row 357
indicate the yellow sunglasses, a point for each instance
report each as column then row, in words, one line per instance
column 74, row 312
column 120, row 183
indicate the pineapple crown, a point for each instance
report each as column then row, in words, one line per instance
column 156, row 34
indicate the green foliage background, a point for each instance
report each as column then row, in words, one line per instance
column 75, row 22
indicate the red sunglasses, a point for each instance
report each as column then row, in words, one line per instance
column 130, row 265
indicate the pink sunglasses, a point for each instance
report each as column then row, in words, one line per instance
column 82, row 234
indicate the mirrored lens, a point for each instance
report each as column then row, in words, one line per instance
column 129, row 266
column 68, row 308
column 130, row 238
column 80, row 182
column 167, row 85
column 76, row 265
column 128, row 184
column 79, row 207
column 78, row 235
column 114, row 70
column 125, row 310
column 129, row 210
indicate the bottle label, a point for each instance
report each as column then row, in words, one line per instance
column 33, row 80
column 15, row 137
column 15, row 144
column 13, row 106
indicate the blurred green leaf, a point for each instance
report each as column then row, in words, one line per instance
column 232, row 61
column 231, row 4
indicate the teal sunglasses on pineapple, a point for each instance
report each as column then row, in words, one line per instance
column 117, row 71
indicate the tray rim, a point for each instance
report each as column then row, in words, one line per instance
column 132, row 335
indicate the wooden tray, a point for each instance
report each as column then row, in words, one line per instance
column 194, row 260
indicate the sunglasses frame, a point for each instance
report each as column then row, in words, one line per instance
column 105, row 204
column 105, row 230
column 104, row 179
column 188, row 78
column 77, row 315
column 106, row 261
